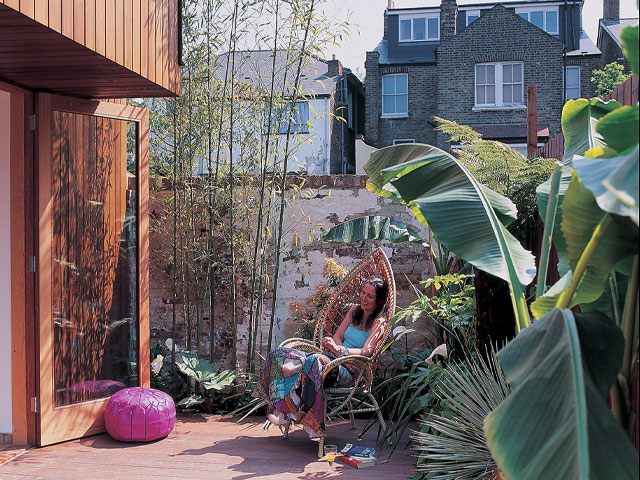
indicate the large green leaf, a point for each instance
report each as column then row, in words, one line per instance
column 220, row 380
column 195, row 367
column 372, row 227
column 620, row 128
column 612, row 181
column 611, row 302
column 579, row 120
column 461, row 213
column 583, row 221
column 629, row 40
column 556, row 424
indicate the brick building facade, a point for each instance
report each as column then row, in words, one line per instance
column 473, row 64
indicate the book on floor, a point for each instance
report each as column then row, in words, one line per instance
column 358, row 450
column 363, row 462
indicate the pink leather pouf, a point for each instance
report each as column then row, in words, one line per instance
column 139, row 414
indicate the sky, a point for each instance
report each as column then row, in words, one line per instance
column 366, row 23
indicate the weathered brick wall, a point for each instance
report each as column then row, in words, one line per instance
column 499, row 35
column 333, row 199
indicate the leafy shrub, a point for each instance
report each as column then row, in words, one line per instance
column 306, row 313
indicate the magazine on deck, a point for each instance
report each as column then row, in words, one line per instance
column 358, row 451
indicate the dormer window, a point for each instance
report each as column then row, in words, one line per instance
column 543, row 18
column 472, row 15
column 419, row 28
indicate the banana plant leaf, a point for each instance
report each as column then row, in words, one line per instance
column 196, row 367
column 620, row 128
column 579, row 120
column 611, row 302
column 583, row 219
column 613, row 182
column 463, row 215
column 220, row 380
column 555, row 423
column 372, row 227
column 629, row 40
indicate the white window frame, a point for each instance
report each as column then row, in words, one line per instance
column 544, row 10
column 400, row 141
column 498, row 97
column 394, row 114
column 566, row 87
column 522, row 147
column 413, row 17
column 471, row 12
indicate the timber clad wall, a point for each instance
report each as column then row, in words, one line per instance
column 139, row 35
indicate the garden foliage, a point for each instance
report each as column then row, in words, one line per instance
column 555, row 423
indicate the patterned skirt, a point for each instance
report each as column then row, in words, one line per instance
column 291, row 384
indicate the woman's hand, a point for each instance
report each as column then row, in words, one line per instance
column 331, row 345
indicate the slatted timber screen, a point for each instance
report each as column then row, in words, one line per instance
column 140, row 35
column 94, row 259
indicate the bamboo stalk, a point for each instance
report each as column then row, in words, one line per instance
column 258, row 239
column 234, row 319
column 284, row 173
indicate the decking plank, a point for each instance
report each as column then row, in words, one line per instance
column 205, row 447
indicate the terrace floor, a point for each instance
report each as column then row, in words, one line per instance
column 210, row 447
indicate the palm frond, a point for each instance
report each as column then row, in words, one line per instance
column 453, row 446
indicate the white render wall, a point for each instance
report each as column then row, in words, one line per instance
column 311, row 151
column 6, row 425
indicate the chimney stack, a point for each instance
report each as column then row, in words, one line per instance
column 611, row 10
column 390, row 4
column 334, row 67
column 448, row 18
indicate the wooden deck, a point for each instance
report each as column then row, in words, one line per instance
column 210, row 447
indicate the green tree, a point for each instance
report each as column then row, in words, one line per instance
column 609, row 78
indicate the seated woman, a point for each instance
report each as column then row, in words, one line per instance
column 291, row 380
column 362, row 329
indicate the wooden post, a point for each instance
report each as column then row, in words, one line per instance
column 532, row 120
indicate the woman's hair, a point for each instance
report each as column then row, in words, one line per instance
column 382, row 290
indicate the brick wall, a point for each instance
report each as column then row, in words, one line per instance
column 332, row 200
column 587, row 65
column 380, row 132
column 499, row 35
column 447, row 90
column 611, row 52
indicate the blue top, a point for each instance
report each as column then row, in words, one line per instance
column 354, row 338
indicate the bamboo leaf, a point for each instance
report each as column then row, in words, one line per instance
column 555, row 423
column 372, row 227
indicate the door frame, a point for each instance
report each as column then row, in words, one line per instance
column 56, row 424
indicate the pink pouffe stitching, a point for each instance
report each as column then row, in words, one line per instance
column 140, row 414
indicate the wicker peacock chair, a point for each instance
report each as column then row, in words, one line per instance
column 338, row 400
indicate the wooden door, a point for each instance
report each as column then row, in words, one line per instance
column 93, row 291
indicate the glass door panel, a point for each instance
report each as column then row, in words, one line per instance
column 94, row 258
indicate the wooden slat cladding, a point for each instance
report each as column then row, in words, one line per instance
column 129, row 46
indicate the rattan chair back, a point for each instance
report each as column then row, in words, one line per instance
column 347, row 293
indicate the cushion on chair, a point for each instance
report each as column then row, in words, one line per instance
column 139, row 414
